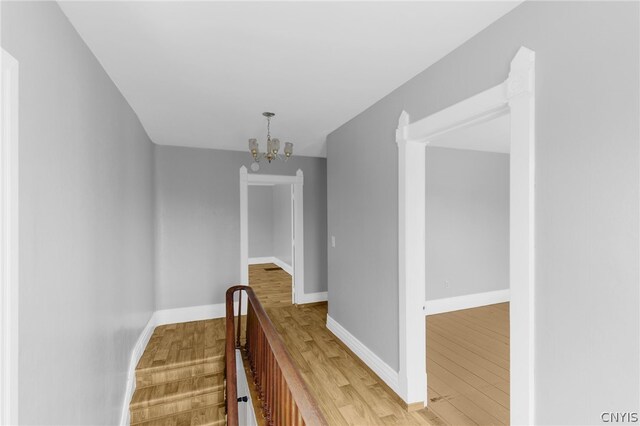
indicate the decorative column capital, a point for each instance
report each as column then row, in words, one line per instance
column 403, row 122
column 521, row 74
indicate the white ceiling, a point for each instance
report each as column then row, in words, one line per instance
column 491, row 136
column 201, row 73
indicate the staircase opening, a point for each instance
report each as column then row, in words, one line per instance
column 180, row 376
column 282, row 396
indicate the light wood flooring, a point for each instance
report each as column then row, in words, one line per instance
column 467, row 362
column 271, row 284
column 179, row 379
column 180, row 376
column 347, row 391
column 468, row 365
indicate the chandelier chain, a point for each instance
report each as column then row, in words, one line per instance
column 268, row 128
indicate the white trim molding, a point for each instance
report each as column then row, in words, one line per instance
column 9, row 240
column 136, row 354
column 244, row 226
column 297, row 200
column 521, row 99
column 313, row 297
column 284, row 265
column 411, row 270
column 381, row 368
column 516, row 97
column 450, row 304
column 261, row 260
column 272, row 259
column 191, row 313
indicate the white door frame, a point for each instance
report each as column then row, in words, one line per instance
column 9, row 240
column 515, row 96
column 297, row 199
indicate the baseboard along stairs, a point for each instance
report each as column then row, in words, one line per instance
column 180, row 376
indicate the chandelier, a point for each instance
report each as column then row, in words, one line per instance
column 273, row 146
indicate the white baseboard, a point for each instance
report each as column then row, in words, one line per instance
column 285, row 266
column 449, row 304
column 271, row 259
column 313, row 297
column 381, row 368
column 192, row 313
column 260, row 260
column 138, row 349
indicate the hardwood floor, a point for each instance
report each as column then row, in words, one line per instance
column 347, row 391
column 180, row 376
column 271, row 284
column 468, row 365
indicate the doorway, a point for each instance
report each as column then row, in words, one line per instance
column 283, row 262
column 271, row 246
column 516, row 97
column 467, row 273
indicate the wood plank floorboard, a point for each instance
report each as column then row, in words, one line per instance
column 180, row 376
column 468, row 365
column 467, row 362
column 184, row 343
column 348, row 392
column 271, row 284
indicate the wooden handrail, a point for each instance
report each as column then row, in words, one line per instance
column 284, row 396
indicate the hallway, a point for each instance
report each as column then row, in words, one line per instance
column 406, row 163
column 271, row 284
column 347, row 391
column 467, row 362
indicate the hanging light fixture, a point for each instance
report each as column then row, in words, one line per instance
column 273, row 146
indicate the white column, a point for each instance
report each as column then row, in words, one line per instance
column 298, row 261
column 411, row 266
column 521, row 95
column 244, row 227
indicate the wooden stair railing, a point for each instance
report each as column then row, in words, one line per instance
column 284, row 396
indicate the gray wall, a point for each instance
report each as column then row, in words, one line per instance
column 467, row 222
column 282, row 223
column 198, row 217
column 260, row 211
column 86, row 224
column 587, row 199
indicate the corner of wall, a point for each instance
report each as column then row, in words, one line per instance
column 156, row 228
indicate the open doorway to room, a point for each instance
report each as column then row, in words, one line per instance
column 270, row 212
column 272, row 237
column 467, row 273
column 515, row 98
